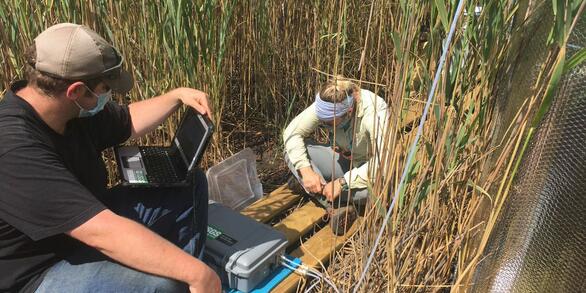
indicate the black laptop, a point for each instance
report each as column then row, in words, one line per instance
column 143, row 166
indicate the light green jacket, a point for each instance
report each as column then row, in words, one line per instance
column 371, row 123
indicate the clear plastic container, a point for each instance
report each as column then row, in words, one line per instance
column 234, row 182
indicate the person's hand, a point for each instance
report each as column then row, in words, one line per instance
column 332, row 190
column 208, row 281
column 311, row 180
column 196, row 99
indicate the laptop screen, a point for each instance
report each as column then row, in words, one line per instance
column 191, row 137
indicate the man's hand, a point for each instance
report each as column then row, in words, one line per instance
column 196, row 99
column 135, row 246
column 332, row 190
column 311, row 181
column 148, row 114
column 208, row 282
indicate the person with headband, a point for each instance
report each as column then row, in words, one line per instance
column 355, row 120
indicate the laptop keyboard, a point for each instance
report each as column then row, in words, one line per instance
column 158, row 165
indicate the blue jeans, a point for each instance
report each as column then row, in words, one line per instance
column 166, row 211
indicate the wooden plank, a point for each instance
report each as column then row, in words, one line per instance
column 316, row 249
column 300, row 222
column 271, row 205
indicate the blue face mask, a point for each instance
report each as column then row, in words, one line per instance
column 345, row 124
column 102, row 100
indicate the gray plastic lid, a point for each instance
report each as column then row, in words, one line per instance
column 234, row 182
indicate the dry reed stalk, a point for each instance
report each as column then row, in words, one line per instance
column 262, row 62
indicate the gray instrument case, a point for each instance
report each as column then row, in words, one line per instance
column 241, row 250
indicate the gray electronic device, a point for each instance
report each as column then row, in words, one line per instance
column 154, row 166
column 241, row 250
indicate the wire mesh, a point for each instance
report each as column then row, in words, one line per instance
column 537, row 245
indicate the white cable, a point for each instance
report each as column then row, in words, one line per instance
column 301, row 270
column 315, row 282
column 304, row 267
column 307, row 271
column 284, row 258
column 331, row 284
column 413, row 146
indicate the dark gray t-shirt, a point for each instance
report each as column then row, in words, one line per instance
column 49, row 184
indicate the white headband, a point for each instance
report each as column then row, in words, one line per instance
column 327, row 111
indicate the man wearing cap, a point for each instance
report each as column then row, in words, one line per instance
column 61, row 229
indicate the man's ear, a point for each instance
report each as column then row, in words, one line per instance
column 75, row 90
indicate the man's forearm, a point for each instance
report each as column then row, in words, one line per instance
column 137, row 247
column 146, row 115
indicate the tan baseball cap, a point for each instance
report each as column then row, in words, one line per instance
column 75, row 52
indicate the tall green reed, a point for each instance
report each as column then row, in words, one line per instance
column 261, row 62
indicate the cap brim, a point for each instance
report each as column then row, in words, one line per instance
column 123, row 84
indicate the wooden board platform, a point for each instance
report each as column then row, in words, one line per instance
column 307, row 218
column 303, row 220
column 271, row 205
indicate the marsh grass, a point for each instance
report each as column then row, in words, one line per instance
column 261, row 62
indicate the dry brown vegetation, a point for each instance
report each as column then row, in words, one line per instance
column 262, row 61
